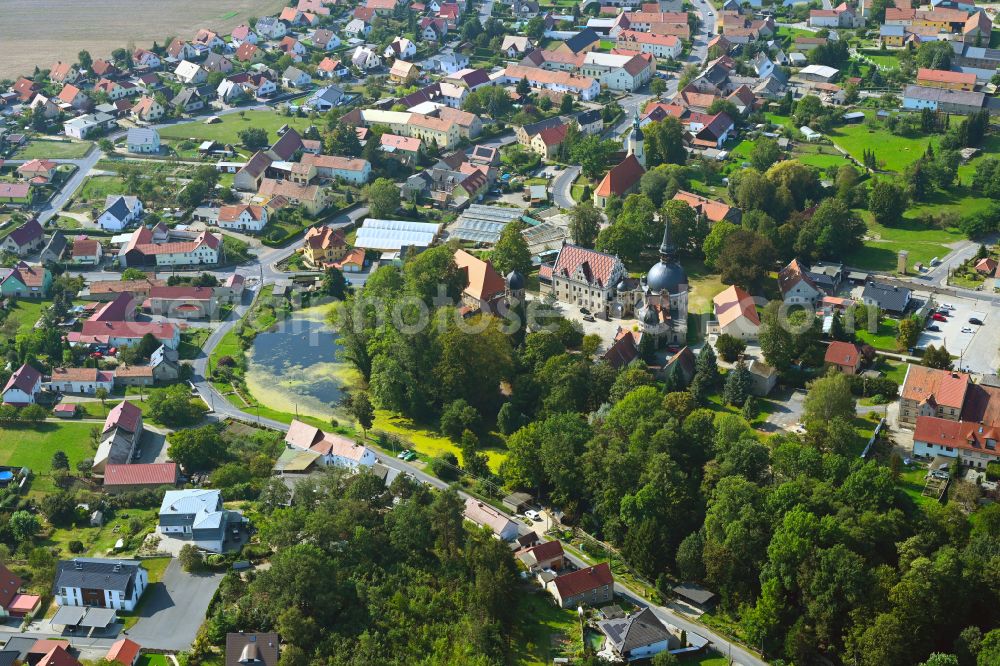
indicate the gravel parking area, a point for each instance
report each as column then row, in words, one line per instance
column 173, row 609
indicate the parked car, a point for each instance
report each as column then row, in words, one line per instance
column 933, row 327
column 402, row 454
column 937, row 316
column 976, row 321
column 584, row 311
column 967, row 329
column 533, row 515
column 589, row 317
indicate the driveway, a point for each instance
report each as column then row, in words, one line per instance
column 173, row 609
column 562, row 187
column 787, row 409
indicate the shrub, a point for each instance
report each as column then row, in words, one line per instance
column 445, row 467
column 730, row 347
column 75, row 547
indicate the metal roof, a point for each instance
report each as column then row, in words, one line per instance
column 483, row 224
column 377, row 234
column 83, row 616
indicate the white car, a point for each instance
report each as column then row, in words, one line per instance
column 533, row 515
column 966, row 329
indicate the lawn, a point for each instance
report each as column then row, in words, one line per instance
column 545, row 631
column 895, row 151
column 96, row 188
column 703, row 286
column 32, row 447
column 100, row 541
column 576, row 191
column 152, row 660
column 884, row 338
column 27, row 312
column 53, row 150
column 886, row 60
column 192, row 340
column 894, row 370
column 921, row 241
column 425, row 441
column 822, row 161
column 228, row 130
column 911, row 481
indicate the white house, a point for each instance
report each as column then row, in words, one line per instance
column 365, row 58
column 796, row 286
column 242, row 217
column 83, row 126
column 640, row 635
column 196, row 515
column 484, row 515
column 143, row 140
column 114, row 584
column 23, row 386
column 351, row 169
column 269, row 27
column 736, row 314
column 190, row 73
column 119, row 212
column 80, row 380
column 357, row 28
column 401, row 47
column 618, row 72
column 333, row 448
column 325, row 98
column 763, row 66
column 293, row 77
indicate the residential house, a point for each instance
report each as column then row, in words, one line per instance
column 64, row 72
column 119, row 212
column 12, row 602
column 659, row 46
column 713, row 210
column 365, row 58
column 619, row 72
column 325, row 40
column 331, row 69
column 251, row 175
column 916, row 97
column 620, row 181
column 889, row 298
column 241, row 217
column 484, row 515
column 400, row 47
column 584, row 87
column 358, row 29
column 82, row 127
column 55, row 249
column 433, row 30
column 74, row 97
column 182, row 302
column 547, row 555
column 292, row 48
column 26, row 281
column 188, row 101
column 190, row 73
column 147, row 110
column 252, row 649
column 515, row 46
column 87, row 252
column 736, row 314
column 25, row 89
column 313, row 198
column 120, row 436
column 181, row 50
column 797, row 287
column 216, row 62
column 844, row 356
column 293, row 77
column 334, row 449
column 243, row 34
column 582, row 42
column 80, row 380
column 25, row 239
column 196, row 515
column 145, row 59
column 250, row 54
column 143, row 140
column 124, row 652
column 269, row 27
column 640, row 635
column 38, row 172
column 100, row 583
column 939, row 78
column 22, row 387
column 142, row 250
column 403, row 72
column 323, row 245
column 403, row 148
column 353, row 261
column 712, row 131
column 942, row 394
column 590, row 122
column 590, row 586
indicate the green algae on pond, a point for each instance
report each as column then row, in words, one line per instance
column 294, row 365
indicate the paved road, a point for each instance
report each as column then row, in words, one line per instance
column 69, row 188
column 962, row 251
column 174, row 609
column 562, row 187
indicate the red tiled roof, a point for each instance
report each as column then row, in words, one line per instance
column 843, row 354
column 945, row 76
column 25, row 379
column 125, row 650
column 546, row 551
column 10, row 583
column 140, row 474
column 598, row 268
column 791, row 275
column 182, row 292
column 623, row 351
column 942, row 387
column 584, row 580
column 621, row 178
column 733, row 303
column 712, row 209
column 124, row 415
column 58, row 656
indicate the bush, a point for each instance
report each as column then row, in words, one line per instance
column 867, row 388
column 730, row 347
column 256, row 551
column 75, row 547
column 993, row 471
column 445, row 467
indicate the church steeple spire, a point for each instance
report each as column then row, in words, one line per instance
column 667, row 247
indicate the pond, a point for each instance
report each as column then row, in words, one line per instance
column 294, row 365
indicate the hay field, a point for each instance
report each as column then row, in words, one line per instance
column 40, row 32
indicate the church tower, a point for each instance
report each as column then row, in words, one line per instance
column 636, row 141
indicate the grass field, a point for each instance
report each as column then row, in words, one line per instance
column 96, row 188
column 922, row 243
column 425, row 441
column 911, row 481
column 27, row 313
column 546, row 632
column 192, row 341
column 227, row 131
column 884, row 338
column 104, row 25
column 895, row 151
column 53, row 150
column 703, row 285
column 887, row 60
column 33, row 448
column 153, row 659
column 99, row 541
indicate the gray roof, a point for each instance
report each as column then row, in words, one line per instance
column 483, row 224
column 96, row 574
column 118, row 209
column 694, row 592
column 888, row 297
column 582, row 39
column 636, row 631
column 56, row 246
column 941, row 95
column 143, row 135
column 20, row 645
column 185, row 97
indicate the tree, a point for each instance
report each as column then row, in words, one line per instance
column 334, row 284
column 253, row 138
column 24, row 526
column 593, row 153
column 745, row 258
column 937, row 357
column 664, row 658
column 829, row 397
column 457, row 417
column 509, row 419
column 523, row 87
column 566, row 104
column 130, row 274
column 363, row 412
column 908, row 334
column 383, row 198
column 886, row 201
column 84, row 59
column 707, row 365
column 738, row 383
column 765, row 153
column 657, row 86
column 60, row 460
column 190, row 558
column 174, row 407
column 730, row 347
column 34, row 414
column 198, row 449
column 664, row 142
column 511, row 250
column 584, row 224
